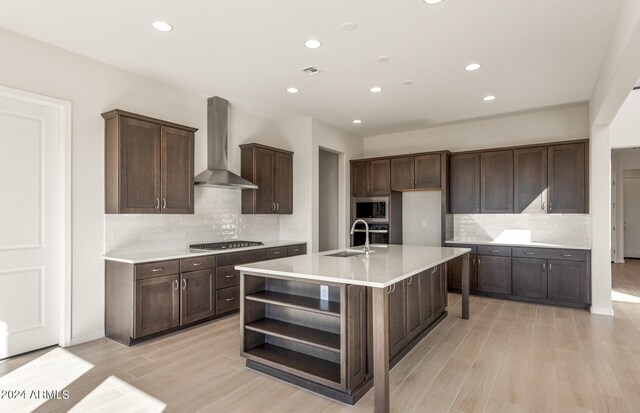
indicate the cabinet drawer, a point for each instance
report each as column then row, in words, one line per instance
column 241, row 257
column 227, row 276
column 568, row 255
column 154, row 269
column 494, row 250
column 279, row 252
column 300, row 249
column 474, row 248
column 522, row 252
column 197, row 263
column 227, row 299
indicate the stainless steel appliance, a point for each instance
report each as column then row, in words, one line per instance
column 225, row 245
column 378, row 234
column 371, row 209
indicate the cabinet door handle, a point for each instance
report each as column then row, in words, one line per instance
column 296, row 250
column 273, row 206
column 410, row 279
column 230, row 299
column 157, row 269
column 566, row 255
column 478, row 260
column 495, row 251
column 549, row 205
column 176, row 287
column 157, row 203
column 229, row 276
column 277, row 206
column 184, row 284
column 392, row 288
column 543, row 205
column 433, row 271
column 530, row 253
column 276, row 252
column 544, row 267
column 550, row 267
column 164, row 203
column 196, row 264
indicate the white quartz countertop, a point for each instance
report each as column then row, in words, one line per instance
column 572, row 246
column 386, row 265
column 142, row 257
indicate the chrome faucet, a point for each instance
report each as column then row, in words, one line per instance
column 366, row 248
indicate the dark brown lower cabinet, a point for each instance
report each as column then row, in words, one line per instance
column 529, row 277
column 494, row 274
column 397, row 318
column 143, row 300
column 197, row 295
column 413, row 316
column 568, row 281
column 157, row 304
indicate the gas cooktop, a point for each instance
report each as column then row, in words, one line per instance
column 226, row 245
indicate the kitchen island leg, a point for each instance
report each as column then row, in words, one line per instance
column 381, row 350
column 465, row 286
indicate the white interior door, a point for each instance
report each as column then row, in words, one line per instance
column 632, row 217
column 31, row 221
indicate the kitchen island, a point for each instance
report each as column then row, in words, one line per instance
column 334, row 322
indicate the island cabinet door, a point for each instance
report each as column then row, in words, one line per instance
column 426, row 310
column 356, row 335
column 413, row 316
column 438, row 293
column 397, row 318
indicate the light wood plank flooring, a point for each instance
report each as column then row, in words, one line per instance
column 509, row 357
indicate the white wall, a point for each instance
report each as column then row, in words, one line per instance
column 328, row 188
column 550, row 125
column 421, row 217
column 625, row 128
column 618, row 74
column 348, row 147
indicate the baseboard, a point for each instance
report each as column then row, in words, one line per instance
column 601, row 311
column 89, row 337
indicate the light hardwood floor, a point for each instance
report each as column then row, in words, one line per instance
column 509, row 357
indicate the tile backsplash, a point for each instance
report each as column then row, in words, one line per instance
column 560, row 229
column 217, row 217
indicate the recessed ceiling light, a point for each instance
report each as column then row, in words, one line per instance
column 432, row 1
column 313, row 43
column 357, row 121
column 488, row 98
column 408, row 82
column 162, row 26
column 472, row 67
column 292, row 90
column 383, row 59
column 375, row 89
column 349, row 26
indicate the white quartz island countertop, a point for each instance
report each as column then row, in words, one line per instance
column 574, row 245
column 385, row 266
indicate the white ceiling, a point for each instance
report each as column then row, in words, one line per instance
column 534, row 53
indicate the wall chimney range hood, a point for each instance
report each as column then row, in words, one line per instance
column 216, row 175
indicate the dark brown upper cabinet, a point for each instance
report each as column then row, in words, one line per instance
column 496, row 182
column 530, row 180
column 568, row 170
column 465, row 183
column 148, row 165
column 371, row 178
column 271, row 169
column 415, row 172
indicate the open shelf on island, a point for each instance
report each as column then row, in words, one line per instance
column 306, row 335
column 298, row 361
column 315, row 305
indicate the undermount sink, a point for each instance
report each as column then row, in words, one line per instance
column 345, row 254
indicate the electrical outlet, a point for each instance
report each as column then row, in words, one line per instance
column 324, row 292
column 424, row 224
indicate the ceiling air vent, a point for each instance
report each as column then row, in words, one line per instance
column 311, row 70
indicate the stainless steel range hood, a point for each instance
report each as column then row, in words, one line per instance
column 217, row 175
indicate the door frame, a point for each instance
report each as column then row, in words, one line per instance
column 64, row 109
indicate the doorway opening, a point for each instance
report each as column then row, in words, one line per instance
column 328, row 200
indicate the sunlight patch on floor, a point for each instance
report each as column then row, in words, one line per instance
column 51, row 372
column 116, row 395
column 627, row 298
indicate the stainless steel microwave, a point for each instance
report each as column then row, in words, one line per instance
column 371, row 209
